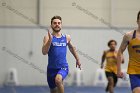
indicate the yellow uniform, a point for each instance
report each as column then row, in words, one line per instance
column 111, row 62
column 134, row 55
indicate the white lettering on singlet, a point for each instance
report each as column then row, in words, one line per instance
column 58, row 44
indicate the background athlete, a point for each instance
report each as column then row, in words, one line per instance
column 132, row 40
column 55, row 45
column 111, row 65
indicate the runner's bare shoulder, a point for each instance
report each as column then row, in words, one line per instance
column 128, row 35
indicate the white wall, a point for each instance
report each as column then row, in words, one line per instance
column 18, row 12
column 22, row 41
column 124, row 12
column 121, row 13
column 2, row 57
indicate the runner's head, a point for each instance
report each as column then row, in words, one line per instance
column 138, row 19
column 112, row 44
column 56, row 23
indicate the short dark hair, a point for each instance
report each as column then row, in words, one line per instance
column 138, row 16
column 56, row 17
column 109, row 43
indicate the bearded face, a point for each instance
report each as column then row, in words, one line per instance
column 56, row 25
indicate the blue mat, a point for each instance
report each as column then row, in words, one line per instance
column 72, row 89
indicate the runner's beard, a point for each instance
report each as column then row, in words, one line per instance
column 56, row 30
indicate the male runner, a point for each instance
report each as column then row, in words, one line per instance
column 111, row 65
column 55, row 45
column 132, row 40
